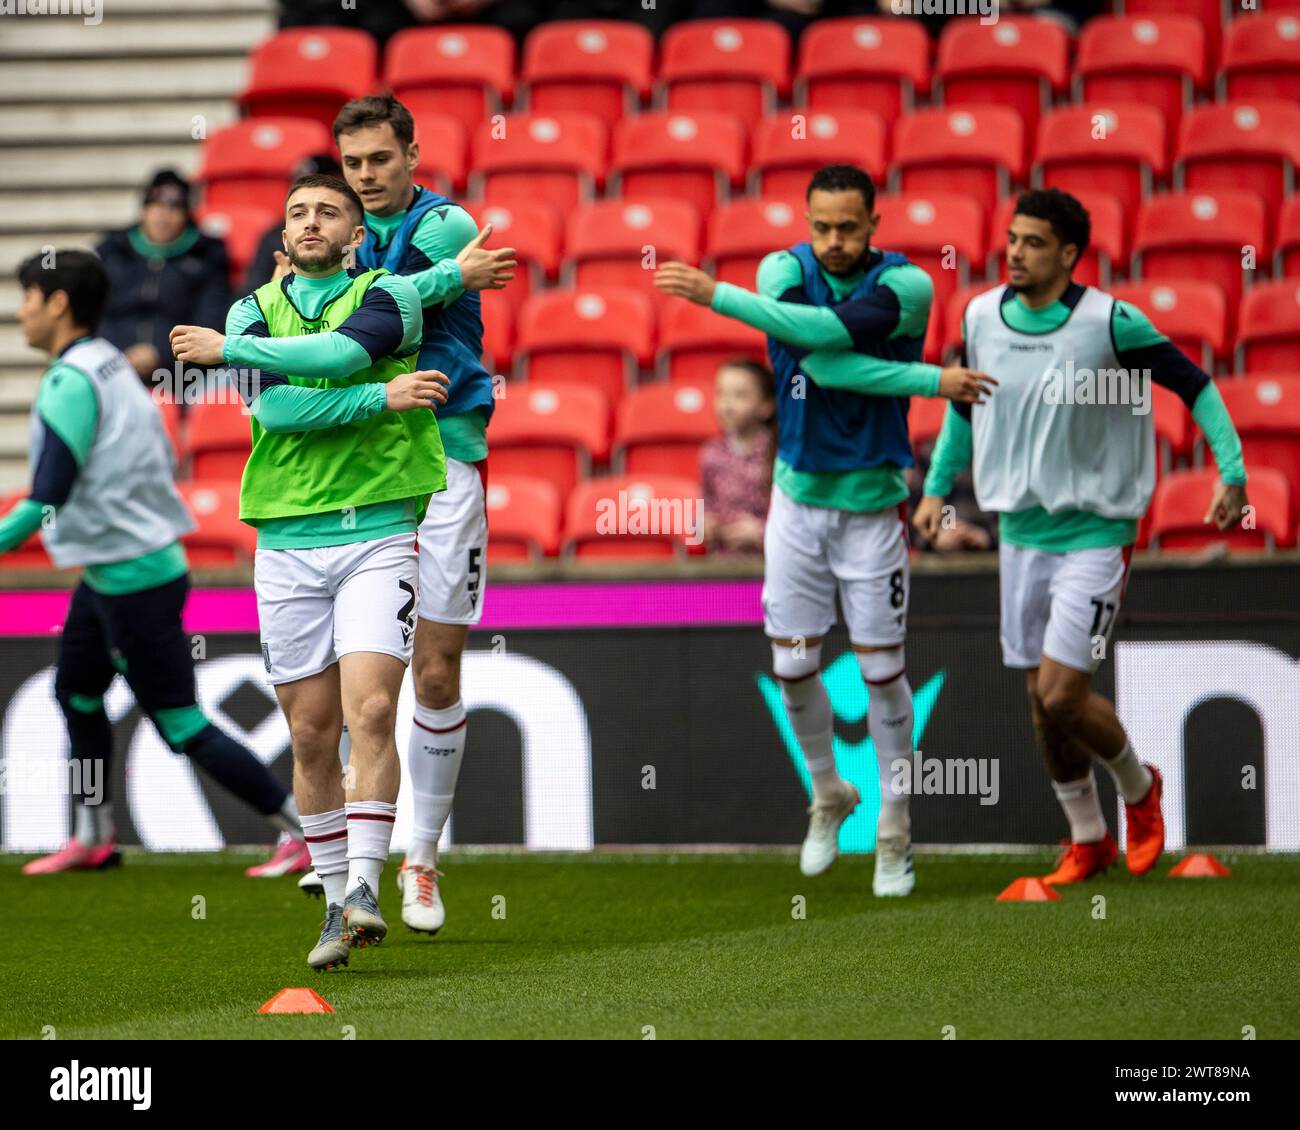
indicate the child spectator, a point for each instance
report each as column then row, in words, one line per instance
column 736, row 467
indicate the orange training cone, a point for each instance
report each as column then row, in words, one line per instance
column 296, row 1000
column 1199, row 866
column 1029, row 890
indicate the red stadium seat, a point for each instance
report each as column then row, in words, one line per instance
column 1208, row 13
column 1020, row 62
column 1173, row 425
column 1107, row 247
column 498, row 328
column 925, row 420
column 1266, row 412
column 1252, row 146
column 470, row 66
column 555, row 158
column 1181, row 500
column 241, row 230
column 1286, row 259
column 1155, row 61
column 694, row 342
column 443, row 143
column 250, row 164
column 607, row 243
column 1193, row 315
column 172, row 422
column 696, row 157
column 789, row 147
column 1115, row 149
column 660, row 428
column 600, row 67
column 597, row 339
column 734, row 66
column 932, row 351
column 979, row 150
column 1268, row 331
column 556, row 433
column 941, row 232
column 218, row 438
column 31, row 554
column 632, row 516
column 1261, row 57
column 535, row 231
column 221, row 539
column 853, row 62
column 953, row 310
column 523, row 517
column 1200, row 235
column 742, row 233
column 309, row 72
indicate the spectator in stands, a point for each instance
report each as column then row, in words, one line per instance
column 793, row 15
column 384, row 18
column 969, row 528
column 163, row 272
column 736, row 467
column 270, row 252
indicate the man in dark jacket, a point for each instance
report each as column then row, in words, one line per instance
column 163, row 272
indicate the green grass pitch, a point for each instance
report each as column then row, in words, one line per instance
column 613, row 945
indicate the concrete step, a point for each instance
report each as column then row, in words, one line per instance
column 14, row 435
column 105, row 166
column 10, row 296
column 141, row 36
column 122, row 80
column 15, row 248
column 14, row 474
column 130, row 123
column 68, row 208
column 18, row 393
column 14, row 350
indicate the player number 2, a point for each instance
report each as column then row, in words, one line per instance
column 897, row 594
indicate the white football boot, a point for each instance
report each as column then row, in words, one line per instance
column 894, row 875
column 422, row 908
column 310, row 884
column 821, row 847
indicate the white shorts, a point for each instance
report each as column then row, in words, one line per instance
column 317, row 604
column 453, row 549
column 1060, row 605
column 812, row 551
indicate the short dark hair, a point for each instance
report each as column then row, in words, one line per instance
column 336, row 184
column 843, row 178
column 79, row 274
column 373, row 110
column 1069, row 219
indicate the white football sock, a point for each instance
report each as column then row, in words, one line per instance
column 93, row 824
column 1082, row 809
column 326, row 834
column 370, row 833
column 1131, row 777
column 433, row 761
column 889, row 721
column 808, row 707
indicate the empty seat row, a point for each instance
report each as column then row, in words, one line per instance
column 608, row 68
column 706, row 157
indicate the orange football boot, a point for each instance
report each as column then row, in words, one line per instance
column 1146, row 828
column 1083, row 861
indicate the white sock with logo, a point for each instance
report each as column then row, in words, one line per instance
column 889, row 721
column 327, row 841
column 808, row 709
column 1082, row 808
column 433, row 762
column 1132, row 779
column 370, row 833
